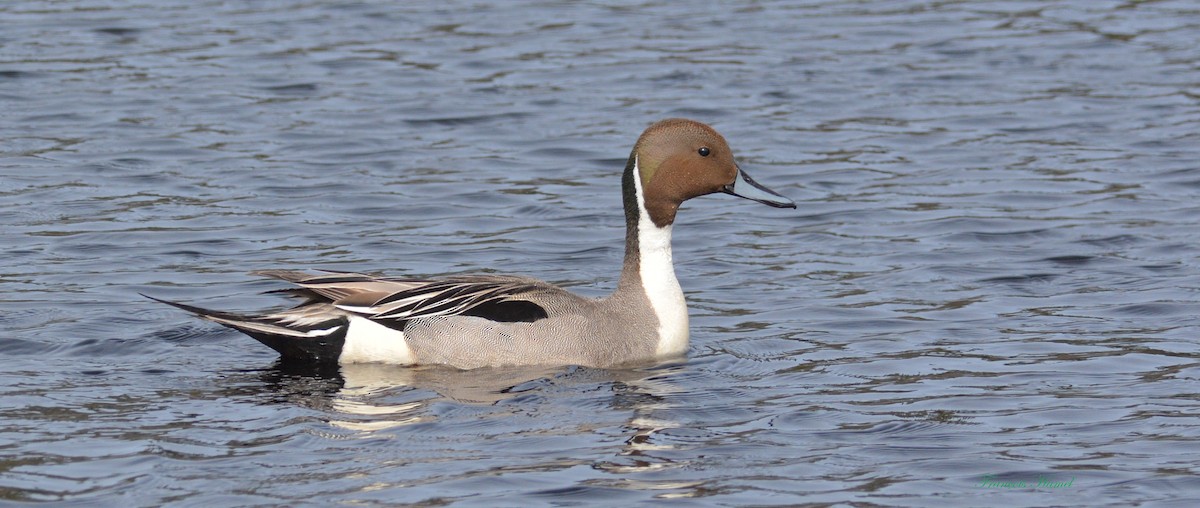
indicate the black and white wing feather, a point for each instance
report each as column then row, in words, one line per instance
column 393, row 301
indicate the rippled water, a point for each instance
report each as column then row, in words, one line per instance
column 993, row 276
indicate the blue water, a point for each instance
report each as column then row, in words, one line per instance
column 992, row 279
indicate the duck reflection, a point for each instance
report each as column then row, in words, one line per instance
column 376, row 397
column 388, row 393
column 366, row 399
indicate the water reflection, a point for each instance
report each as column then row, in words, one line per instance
column 376, row 397
column 371, row 398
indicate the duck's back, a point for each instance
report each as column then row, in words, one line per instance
column 578, row 331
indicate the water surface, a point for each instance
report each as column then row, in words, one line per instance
column 992, row 279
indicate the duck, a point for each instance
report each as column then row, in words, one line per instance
column 488, row 320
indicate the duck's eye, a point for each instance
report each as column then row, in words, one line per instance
column 704, row 151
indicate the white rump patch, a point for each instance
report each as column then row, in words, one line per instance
column 658, row 279
column 371, row 342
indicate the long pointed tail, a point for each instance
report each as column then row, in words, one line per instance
column 296, row 335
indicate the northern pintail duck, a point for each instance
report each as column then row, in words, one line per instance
column 474, row 321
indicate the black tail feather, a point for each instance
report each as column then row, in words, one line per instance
column 202, row 312
column 319, row 349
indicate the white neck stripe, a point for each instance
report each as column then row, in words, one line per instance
column 657, row 271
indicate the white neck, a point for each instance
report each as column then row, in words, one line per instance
column 658, row 278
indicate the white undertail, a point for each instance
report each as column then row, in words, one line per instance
column 371, row 342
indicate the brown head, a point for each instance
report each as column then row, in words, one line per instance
column 680, row 159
